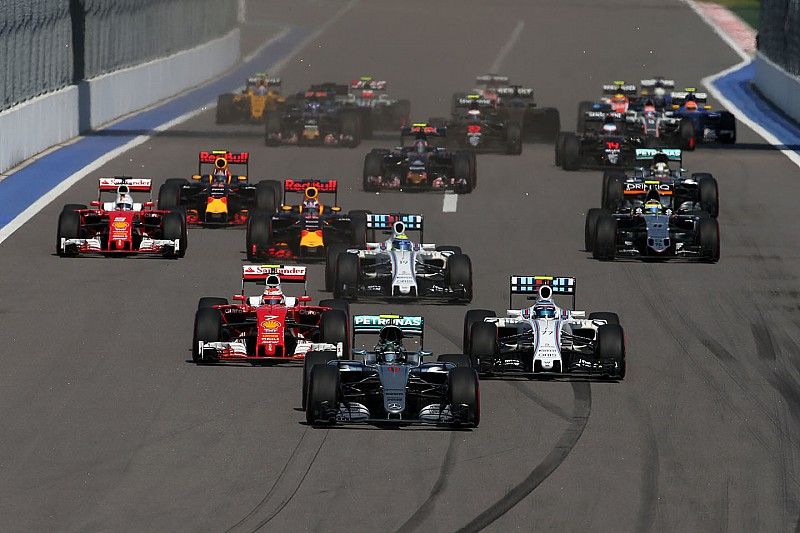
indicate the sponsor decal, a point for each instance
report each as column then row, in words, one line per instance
column 270, row 325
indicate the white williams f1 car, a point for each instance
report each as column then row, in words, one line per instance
column 545, row 339
column 399, row 268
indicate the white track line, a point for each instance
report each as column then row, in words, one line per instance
column 18, row 221
column 708, row 82
column 450, row 200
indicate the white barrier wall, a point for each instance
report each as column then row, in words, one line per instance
column 778, row 86
column 124, row 91
column 37, row 124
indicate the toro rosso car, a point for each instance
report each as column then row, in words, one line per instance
column 308, row 229
column 385, row 380
column 399, row 268
column 219, row 197
column 421, row 166
column 656, row 217
column 259, row 97
column 317, row 117
column 478, row 125
column 378, row 110
column 121, row 226
column 270, row 327
column 545, row 339
column 709, row 126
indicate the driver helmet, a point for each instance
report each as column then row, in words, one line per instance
column 273, row 295
column 649, row 107
column 544, row 311
column 691, row 105
column 401, row 242
column 660, row 170
column 421, row 146
column 619, row 103
column 124, row 202
column 390, row 341
column 660, row 92
column 220, row 176
column 652, row 207
column 313, row 106
column 310, row 204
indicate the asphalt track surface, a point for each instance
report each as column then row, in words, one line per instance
column 107, row 426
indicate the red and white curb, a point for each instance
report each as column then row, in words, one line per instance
column 732, row 29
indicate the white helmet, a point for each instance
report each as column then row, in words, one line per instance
column 273, row 295
column 124, row 200
column 661, row 170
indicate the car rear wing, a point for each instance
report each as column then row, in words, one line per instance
column 648, row 154
column 385, row 222
column 491, row 79
column 373, row 324
column 304, row 184
column 366, row 83
column 332, row 89
column 221, row 159
column 473, row 99
column 681, row 97
column 421, row 130
column 133, row 184
column 515, row 91
column 286, row 273
column 601, row 116
column 530, row 285
column 657, row 82
column 619, row 87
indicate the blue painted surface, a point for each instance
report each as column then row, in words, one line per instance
column 20, row 189
column 736, row 86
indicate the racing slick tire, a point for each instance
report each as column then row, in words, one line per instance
column 210, row 301
column 266, row 199
column 463, row 390
column 605, row 239
column 462, row 169
column 272, row 129
column 312, row 359
column 559, row 157
column 583, row 107
column 208, row 328
column 358, row 225
column 175, row 229
column 590, row 227
column 542, row 125
column 727, row 122
column 472, row 317
column 708, row 193
column 373, row 166
column 169, row 194
column 708, row 239
column 323, row 395
column 612, row 189
column 513, row 138
column 333, row 329
column 351, row 126
column 333, row 303
column 348, row 275
column 73, row 207
column 482, row 344
column 331, row 257
column 224, row 109
column 459, row 360
column 687, row 135
column 455, row 250
column 69, row 224
column 259, row 234
column 572, row 152
column 609, row 317
column 610, row 348
column 458, row 275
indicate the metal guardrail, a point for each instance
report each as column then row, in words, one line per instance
column 48, row 44
column 779, row 33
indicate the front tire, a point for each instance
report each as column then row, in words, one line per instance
column 605, row 239
column 311, row 360
column 323, row 395
column 459, row 275
column 611, row 348
column 483, row 344
column 69, row 225
column 207, row 328
column 464, row 396
column 708, row 239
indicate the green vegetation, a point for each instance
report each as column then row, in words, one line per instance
column 747, row 9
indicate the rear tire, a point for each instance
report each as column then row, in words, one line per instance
column 331, row 258
column 358, row 225
column 612, row 189
column 169, row 194
column 259, row 234
column 611, row 348
column 462, row 169
column 210, row 301
column 572, row 152
column 373, row 166
column 266, row 199
column 311, row 360
column 351, row 127
column 347, row 278
column 707, row 193
column 687, row 135
column 463, row 390
column 559, row 156
column 609, row 317
column 472, row 317
column 207, row 328
column 323, row 395
column 333, row 329
column 513, row 138
column 459, row 360
column 339, row 305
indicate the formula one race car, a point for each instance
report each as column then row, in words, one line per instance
column 539, row 124
column 250, row 106
column 121, row 227
column 709, row 126
column 656, row 217
column 270, row 327
column 317, row 117
column 378, row 110
column 400, row 268
column 617, row 100
column 479, row 125
column 386, row 382
column 544, row 339
column 420, row 167
column 308, row 229
column 659, row 129
column 219, row 198
column 609, row 148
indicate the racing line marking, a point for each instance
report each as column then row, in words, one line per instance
column 42, row 202
column 450, row 203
